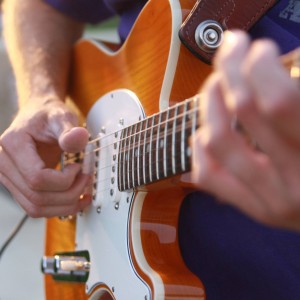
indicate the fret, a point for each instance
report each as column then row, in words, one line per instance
column 183, row 135
column 128, row 157
column 124, row 153
column 195, row 113
column 174, row 139
column 121, row 185
column 134, row 155
column 145, row 166
column 150, row 162
column 157, row 149
column 189, row 122
column 140, row 155
column 165, row 144
column 179, row 134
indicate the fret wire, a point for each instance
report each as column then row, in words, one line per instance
column 124, row 157
column 124, row 142
column 170, row 132
column 139, row 153
column 128, row 155
column 189, row 119
column 108, row 180
column 174, row 170
column 150, row 148
column 134, row 173
column 195, row 114
column 99, row 138
column 120, row 163
column 144, row 150
column 178, row 163
column 182, row 148
column 157, row 146
column 165, row 144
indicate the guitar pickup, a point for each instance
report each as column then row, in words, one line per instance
column 67, row 266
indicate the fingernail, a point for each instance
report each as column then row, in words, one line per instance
column 230, row 38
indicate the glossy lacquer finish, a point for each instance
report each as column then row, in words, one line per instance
column 161, row 72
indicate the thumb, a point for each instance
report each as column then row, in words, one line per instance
column 73, row 139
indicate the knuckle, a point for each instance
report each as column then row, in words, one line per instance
column 214, row 140
column 34, row 181
column 278, row 107
column 244, row 103
column 8, row 140
column 36, row 199
column 34, row 211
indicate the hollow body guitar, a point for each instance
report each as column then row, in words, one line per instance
column 134, row 100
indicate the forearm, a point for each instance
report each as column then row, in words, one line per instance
column 39, row 41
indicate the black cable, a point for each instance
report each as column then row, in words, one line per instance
column 13, row 234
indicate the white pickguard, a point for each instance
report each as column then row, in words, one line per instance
column 102, row 229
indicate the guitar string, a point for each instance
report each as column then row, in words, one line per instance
column 189, row 124
column 178, row 105
column 294, row 74
column 133, row 146
column 134, row 170
column 143, row 131
column 162, row 133
column 162, row 158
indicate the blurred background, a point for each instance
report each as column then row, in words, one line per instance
column 20, row 276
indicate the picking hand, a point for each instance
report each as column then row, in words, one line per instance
column 29, row 152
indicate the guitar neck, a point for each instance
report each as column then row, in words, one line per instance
column 158, row 146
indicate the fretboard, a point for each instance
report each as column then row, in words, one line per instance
column 158, row 146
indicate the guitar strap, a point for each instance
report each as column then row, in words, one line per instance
column 202, row 30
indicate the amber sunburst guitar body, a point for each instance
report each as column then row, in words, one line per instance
column 130, row 231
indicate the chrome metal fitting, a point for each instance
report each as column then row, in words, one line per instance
column 209, row 35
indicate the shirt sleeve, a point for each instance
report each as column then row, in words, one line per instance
column 91, row 11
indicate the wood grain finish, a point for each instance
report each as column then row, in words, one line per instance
column 139, row 65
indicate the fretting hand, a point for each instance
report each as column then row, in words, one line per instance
column 250, row 83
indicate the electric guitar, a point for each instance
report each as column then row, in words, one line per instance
column 140, row 110
column 125, row 245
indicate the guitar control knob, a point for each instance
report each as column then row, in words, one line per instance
column 209, row 35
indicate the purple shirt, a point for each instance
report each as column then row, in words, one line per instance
column 95, row 11
column 235, row 257
column 281, row 23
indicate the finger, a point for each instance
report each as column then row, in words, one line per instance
column 37, row 211
column 55, row 196
column 215, row 179
column 261, row 57
column 276, row 112
column 228, row 62
column 280, row 104
column 73, row 140
column 232, row 154
column 210, row 142
column 63, row 124
column 46, row 205
column 39, row 179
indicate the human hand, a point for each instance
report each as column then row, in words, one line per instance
column 250, row 84
column 29, row 152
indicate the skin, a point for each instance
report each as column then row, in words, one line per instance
column 39, row 42
column 250, row 84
